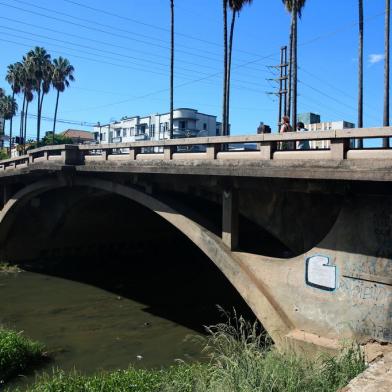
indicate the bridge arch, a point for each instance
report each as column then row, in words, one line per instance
column 254, row 292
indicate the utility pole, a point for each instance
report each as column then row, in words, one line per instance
column 282, row 80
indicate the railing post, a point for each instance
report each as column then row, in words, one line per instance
column 71, row 155
column 105, row 154
column 339, row 148
column 132, row 153
column 211, row 151
column 230, row 218
column 168, row 152
column 266, row 150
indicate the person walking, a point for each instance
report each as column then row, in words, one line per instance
column 302, row 144
column 286, row 127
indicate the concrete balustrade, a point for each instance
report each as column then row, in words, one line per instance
column 215, row 149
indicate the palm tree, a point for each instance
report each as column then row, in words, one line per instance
column 385, row 141
column 295, row 8
column 360, row 71
column 236, row 7
column 171, row 66
column 223, row 130
column 62, row 75
column 39, row 61
column 8, row 109
column 27, row 81
column 2, row 93
column 13, row 78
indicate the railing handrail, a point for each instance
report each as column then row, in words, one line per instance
column 350, row 133
column 269, row 141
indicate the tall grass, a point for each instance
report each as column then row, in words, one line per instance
column 17, row 353
column 241, row 359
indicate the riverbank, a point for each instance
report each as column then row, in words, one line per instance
column 241, row 359
column 18, row 354
column 7, row 268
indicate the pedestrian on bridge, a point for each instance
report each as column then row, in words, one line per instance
column 302, row 144
column 286, row 127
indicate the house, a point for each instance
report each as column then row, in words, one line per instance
column 186, row 123
column 79, row 136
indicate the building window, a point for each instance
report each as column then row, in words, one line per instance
column 124, row 132
column 132, row 131
column 103, row 136
column 152, row 130
column 142, row 128
column 118, row 132
column 182, row 124
column 204, row 126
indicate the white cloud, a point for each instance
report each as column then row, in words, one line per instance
column 375, row 58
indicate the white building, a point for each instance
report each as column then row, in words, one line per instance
column 326, row 126
column 186, row 123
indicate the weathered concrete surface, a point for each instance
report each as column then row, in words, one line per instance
column 299, row 300
column 376, row 378
column 352, row 170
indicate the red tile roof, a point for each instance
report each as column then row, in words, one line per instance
column 78, row 134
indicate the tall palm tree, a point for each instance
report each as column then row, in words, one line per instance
column 236, row 7
column 225, row 4
column 295, row 7
column 27, row 82
column 385, row 141
column 62, row 75
column 171, row 66
column 360, row 71
column 8, row 109
column 39, row 61
column 2, row 93
column 13, row 78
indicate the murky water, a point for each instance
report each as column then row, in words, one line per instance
column 93, row 317
column 87, row 327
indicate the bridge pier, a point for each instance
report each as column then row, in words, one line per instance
column 230, row 218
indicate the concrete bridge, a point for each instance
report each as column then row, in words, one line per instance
column 304, row 236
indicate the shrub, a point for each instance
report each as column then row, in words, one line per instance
column 17, row 353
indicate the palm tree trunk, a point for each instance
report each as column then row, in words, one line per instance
column 171, row 68
column 234, row 14
column 294, row 16
column 223, row 131
column 25, row 124
column 4, row 122
column 13, row 97
column 55, row 115
column 290, row 71
column 360, row 72
column 385, row 142
column 38, row 116
column 22, row 116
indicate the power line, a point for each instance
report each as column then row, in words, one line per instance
column 103, row 51
column 185, row 77
column 153, row 26
column 112, row 28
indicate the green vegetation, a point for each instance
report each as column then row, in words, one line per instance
column 17, row 353
column 241, row 359
column 8, row 268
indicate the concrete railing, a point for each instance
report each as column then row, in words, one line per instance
column 267, row 148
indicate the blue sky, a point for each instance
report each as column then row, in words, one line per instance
column 120, row 51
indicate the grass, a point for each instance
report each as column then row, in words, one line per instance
column 241, row 360
column 8, row 268
column 17, row 353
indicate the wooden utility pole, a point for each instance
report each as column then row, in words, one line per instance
column 385, row 142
